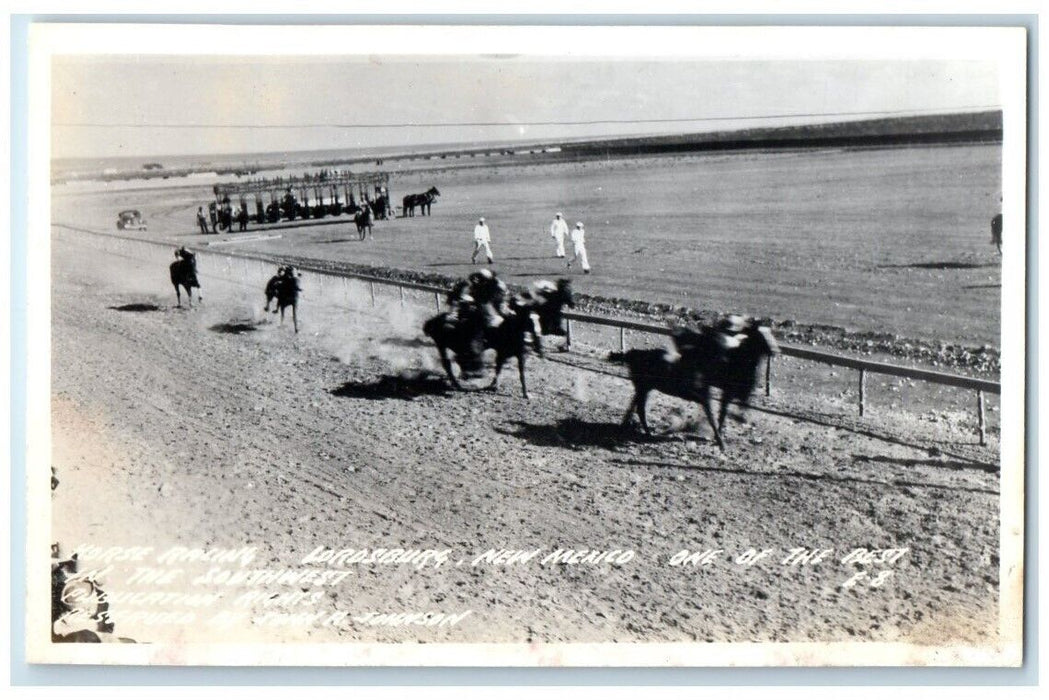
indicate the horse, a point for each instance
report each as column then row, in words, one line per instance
column 379, row 207
column 996, row 232
column 284, row 288
column 548, row 299
column 273, row 290
column 423, row 201
column 184, row 274
column 466, row 338
column 706, row 359
column 363, row 219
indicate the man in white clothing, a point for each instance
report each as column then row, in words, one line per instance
column 558, row 231
column 482, row 239
column 579, row 244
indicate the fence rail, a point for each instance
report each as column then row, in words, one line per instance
column 980, row 386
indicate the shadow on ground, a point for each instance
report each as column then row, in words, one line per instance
column 572, row 432
column 236, row 327
column 407, row 342
column 945, row 265
column 354, row 239
column 405, row 387
column 137, row 308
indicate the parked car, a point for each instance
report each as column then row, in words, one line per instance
column 130, row 219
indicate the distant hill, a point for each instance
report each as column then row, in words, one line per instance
column 978, row 127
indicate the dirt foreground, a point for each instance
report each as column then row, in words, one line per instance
column 262, row 452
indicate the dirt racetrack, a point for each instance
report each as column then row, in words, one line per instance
column 218, row 428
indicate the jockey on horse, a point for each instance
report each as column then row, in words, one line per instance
column 477, row 305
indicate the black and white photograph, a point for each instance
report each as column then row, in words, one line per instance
column 526, row 346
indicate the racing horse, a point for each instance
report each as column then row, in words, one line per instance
column 363, row 219
column 466, row 338
column 423, row 201
column 184, row 274
column 284, row 288
column 710, row 358
column 996, row 232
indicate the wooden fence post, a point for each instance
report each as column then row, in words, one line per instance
column 768, row 376
column 371, row 286
column 980, row 418
column 437, row 301
column 863, row 389
column 401, row 290
column 568, row 335
column 622, row 339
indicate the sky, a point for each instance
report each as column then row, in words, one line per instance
column 106, row 106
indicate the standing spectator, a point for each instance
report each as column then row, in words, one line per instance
column 558, row 231
column 579, row 243
column 202, row 220
column 482, row 239
column 242, row 218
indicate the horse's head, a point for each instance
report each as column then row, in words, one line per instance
column 759, row 339
column 564, row 292
column 434, row 191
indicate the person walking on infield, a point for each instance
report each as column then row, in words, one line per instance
column 579, row 244
column 482, row 239
column 558, row 231
column 202, row 220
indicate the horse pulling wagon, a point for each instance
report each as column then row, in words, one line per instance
column 312, row 196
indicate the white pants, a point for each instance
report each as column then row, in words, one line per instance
column 580, row 255
column 478, row 247
column 560, row 240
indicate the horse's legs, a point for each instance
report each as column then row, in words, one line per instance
column 178, row 296
column 726, row 401
column 521, row 371
column 705, row 403
column 642, row 400
column 629, row 410
column 500, row 360
column 295, row 316
column 189, row 296
column 281, row 313
column 447, row 364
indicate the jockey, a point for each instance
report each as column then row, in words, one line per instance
column 730, row 331
column 490, row 293
column 184, row 254
column 292, row 278
column 542, row 290
column 459, row 301
column 273, row 288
